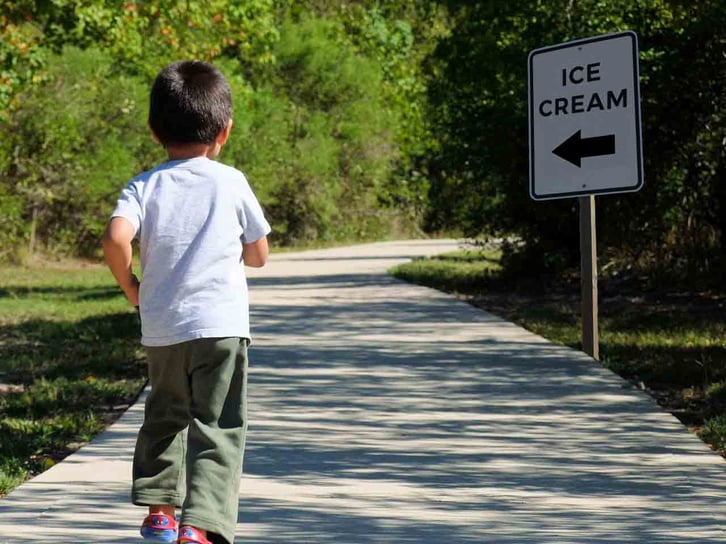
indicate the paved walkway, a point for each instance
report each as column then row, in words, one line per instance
column 388, row 413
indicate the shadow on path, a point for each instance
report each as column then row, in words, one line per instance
column 382, row 412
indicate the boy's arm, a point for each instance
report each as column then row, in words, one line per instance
column 255, row 253
column 118, row 253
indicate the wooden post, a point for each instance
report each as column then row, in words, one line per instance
column 588, row 277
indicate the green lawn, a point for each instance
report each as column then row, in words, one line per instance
column 69, row 362
column 669, row 342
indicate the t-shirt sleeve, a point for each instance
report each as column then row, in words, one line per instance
column 129, row 206
column 252, row 218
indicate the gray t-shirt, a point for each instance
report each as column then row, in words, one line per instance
column 192, row 217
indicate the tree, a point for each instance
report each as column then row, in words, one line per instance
column 69, row 149
column 143, row 36
column 327, row 111
column 478, row 107
column 315, row 137
column 21, row 57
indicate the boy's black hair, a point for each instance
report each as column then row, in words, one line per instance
column 191, row 102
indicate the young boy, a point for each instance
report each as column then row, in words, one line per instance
column 198, row 223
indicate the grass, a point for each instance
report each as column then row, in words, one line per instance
column 669, row 342
column 69, row 363
column 460, row 271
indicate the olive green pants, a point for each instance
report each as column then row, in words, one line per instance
column 190, row 446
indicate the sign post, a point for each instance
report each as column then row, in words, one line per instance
column 585, row 137
column 588, row 277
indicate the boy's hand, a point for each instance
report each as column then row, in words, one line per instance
column 132, row 291
column 255, row 253
column 118, row 253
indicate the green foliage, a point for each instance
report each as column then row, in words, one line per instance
column 315, row 138
column 354, row 119
column 21, row 57
column 714, row 432
column 143, row 36
column 13, row 228
column 69, row 149
column 478, row 106
column 324, row 108
column 397, row 36
column 74, row 79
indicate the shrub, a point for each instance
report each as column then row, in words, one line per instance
column 73, row 145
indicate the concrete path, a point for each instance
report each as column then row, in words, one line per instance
column 388, row 413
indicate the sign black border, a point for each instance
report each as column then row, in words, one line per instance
column 636, row 85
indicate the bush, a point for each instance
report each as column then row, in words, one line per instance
column 478, row 99
column 72, row 146
column 13, row 230
column 714, row 433
column 315, row 138
column 313, row 133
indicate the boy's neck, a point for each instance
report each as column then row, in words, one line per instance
column 190, row 151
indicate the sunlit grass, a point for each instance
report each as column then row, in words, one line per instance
column 57, row 292
column 459, row 271
column 69, row 362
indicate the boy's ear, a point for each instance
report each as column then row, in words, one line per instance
column 224, row 134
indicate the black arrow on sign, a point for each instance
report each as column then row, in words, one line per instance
column 576, row 147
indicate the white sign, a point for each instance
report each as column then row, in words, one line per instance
column 584, row 118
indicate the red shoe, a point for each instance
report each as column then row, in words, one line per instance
column 190, row 535
column 159, row 528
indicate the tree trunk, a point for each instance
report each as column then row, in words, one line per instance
column 33, row 224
